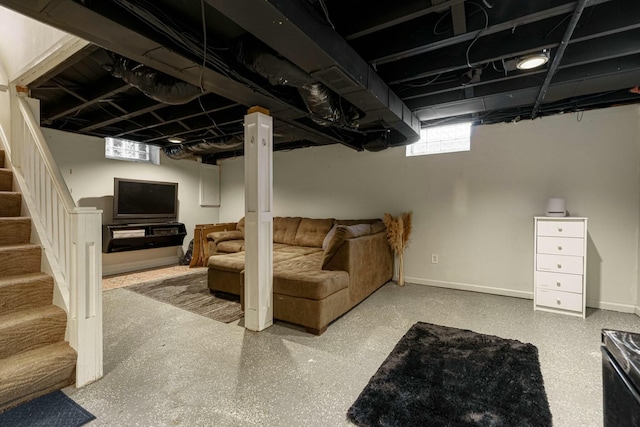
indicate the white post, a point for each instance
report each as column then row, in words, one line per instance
column 258, row 181
column 86, row 294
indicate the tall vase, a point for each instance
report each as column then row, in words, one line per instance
column 401, row 269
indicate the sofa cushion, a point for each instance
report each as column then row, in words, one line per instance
column 231, row 246
column 377, row 227
column 284, row 229
column 302, row 277
column 235, row 262
column 299, row 250
column 240, row 225
column 228, row 262
column 223, row 236
column 311, row 232
column 342, row 233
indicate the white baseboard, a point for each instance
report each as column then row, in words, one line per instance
column 470, row 287
column 613, row 306
column 108, row 270
column 603, row 305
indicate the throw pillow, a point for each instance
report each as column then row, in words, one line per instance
column 328, row 237
column 342, row 233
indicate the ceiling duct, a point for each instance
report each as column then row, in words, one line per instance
column 326, row 107
column 156, row 85
column 377, row 142
column 190, row 150
column 299, row 35
column 165, row 37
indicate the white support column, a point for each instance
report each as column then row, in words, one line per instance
column 258, row 181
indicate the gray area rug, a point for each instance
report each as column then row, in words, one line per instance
column 190, row 292
column 440, row 376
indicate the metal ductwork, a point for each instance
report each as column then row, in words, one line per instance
column 156, row 85
column 195, row 149
column 291, row 28
column 343, row 89
column 325, row 106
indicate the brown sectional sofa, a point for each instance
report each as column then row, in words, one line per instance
column 321, row 267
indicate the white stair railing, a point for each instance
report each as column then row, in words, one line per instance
column 70, row 237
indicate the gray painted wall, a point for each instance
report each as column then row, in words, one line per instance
column 476, row 209
column 89, row 177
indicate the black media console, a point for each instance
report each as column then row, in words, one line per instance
column 132, row 237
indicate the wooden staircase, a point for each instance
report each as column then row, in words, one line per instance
column 34, row 358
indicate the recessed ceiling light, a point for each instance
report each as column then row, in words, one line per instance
column 532, row 61
column 176, row 140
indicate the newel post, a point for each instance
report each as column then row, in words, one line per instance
column 85, row 283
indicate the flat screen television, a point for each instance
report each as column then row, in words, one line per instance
column 136, row 200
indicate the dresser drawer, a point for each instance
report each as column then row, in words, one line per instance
column 560, row 246
column 559, row 263
column 559, row 281
column 561, row 228
column 559, row 299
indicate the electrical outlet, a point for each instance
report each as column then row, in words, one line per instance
column 434, row 258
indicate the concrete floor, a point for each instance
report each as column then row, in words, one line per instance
column 168, row 367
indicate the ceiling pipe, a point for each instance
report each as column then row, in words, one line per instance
column 558, row 56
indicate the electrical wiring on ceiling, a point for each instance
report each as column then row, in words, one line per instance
column 486, row 25
column 167, row 26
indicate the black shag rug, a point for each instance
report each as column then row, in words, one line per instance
column 440, row 376
column 51, row 410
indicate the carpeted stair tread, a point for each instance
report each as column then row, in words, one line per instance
column 10, row 203
column 34, row 373
column 6, row 179
column 20, row 259
column 15, row 230
column 26, row 291
column 31, row 328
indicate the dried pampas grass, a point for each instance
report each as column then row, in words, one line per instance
column 406, row 224
column 398, row 232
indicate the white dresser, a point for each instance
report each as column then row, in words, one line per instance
column 560, row 265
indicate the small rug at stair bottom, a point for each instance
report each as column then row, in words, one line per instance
column 51, row 410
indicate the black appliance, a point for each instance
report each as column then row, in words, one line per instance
column 621, row 378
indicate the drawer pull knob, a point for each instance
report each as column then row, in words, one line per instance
column 558, row 302
column 560, row 229
column 558, row 284
column 559, row 248
column 559, row 265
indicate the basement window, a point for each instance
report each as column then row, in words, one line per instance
column 442, row 139
column 131, row 151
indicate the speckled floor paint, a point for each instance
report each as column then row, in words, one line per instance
column 168, row 367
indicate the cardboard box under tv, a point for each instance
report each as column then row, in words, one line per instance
column 132, row 237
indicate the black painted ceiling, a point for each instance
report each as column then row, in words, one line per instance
column 366, row 74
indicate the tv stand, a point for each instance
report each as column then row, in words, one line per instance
column 133, row 237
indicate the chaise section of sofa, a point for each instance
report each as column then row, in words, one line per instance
column 321, row 267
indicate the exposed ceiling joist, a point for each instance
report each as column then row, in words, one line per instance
column 432, row 62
